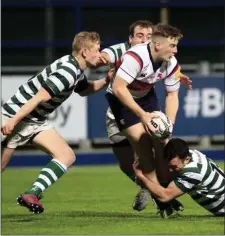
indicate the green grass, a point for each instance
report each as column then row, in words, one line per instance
column 94, row 200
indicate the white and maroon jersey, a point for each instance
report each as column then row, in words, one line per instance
column 115, row 52
column 141, row 73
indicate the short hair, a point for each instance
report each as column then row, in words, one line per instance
column 141, row 23
column 85, row 39
column 166, row 31
column 176, row 147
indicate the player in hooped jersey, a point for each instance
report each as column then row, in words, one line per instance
column 132, row 98
column 193, row 173
column 24, row 115
column 139, row 32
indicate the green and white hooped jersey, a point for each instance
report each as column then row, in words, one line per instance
column 60, row 79
column 204, row 181
column 115, row 52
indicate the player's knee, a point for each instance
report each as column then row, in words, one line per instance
column 66, row 156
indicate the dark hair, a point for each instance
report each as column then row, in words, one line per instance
column 176, row 147
column 141, row 23
column 166, row 31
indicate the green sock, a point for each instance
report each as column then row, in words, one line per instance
column 48, row 176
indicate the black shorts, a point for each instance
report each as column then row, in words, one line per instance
column 124, row 117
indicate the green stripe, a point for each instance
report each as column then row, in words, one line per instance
column 69, row 70
column 48, row 70
column 63, row 80
column 40, row 79
column 32, row 87
column 181, row 186
column 208, row 202
column 191, row 180
column 215, row 178
column 58, row 65
column 16, row 101
column 119, row 51
column 52, row 86
column 113, row 51
column 219, row 207
column 24, row 93
column 42, row 182
column 196, row 196
column 190, row 169
column 9, row 109
column 48, row 176
column 35, row 114
column 208, row 171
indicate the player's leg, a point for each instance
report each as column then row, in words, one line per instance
column 7, row 154
column 125, row 156
column 63, row 157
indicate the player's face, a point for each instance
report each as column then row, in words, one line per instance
column 92, row 55
column 167, row 48
column 176, row 164
column 141, row 35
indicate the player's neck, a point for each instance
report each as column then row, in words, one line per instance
column 155, row 57
column 80, row 61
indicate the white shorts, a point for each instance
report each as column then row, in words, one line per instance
column 114, row 134
column 23, row 132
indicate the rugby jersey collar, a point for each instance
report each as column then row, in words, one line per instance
column 155, row 65
column 75, row 62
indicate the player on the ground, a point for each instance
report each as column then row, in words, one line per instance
column 139, row 32
column 24, row 115
column 131, row 96
column 193, row 173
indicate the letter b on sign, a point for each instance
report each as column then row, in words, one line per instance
column 212, row 102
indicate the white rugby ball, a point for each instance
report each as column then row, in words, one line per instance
column 163, row 125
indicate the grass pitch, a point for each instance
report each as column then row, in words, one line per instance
column 94, row 200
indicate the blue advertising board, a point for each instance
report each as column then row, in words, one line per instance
column 201, row 110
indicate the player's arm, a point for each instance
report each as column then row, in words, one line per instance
column 41, row 96
column 161, row 193
column 86, row 87
column 127, row 72
column 172, row 84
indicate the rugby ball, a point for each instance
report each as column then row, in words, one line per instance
column 163, row 125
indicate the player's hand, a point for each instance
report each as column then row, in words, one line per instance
column 110, row 74
column 8, row 128
column 103, row 60
column 137, row 169
column 146, row 121
column 185, row 80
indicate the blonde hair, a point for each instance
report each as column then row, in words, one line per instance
column 85, row 39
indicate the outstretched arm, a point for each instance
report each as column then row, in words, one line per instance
column 41, row 96
column 159, row 192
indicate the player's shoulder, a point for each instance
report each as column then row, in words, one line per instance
column 139, row 48
column 123, row 46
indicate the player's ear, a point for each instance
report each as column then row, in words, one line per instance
column 130, row 39
column 84, row 52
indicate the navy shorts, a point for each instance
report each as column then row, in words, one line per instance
column 123, row 116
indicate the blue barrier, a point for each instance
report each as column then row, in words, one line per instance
column 88, row 159
column 201, row 109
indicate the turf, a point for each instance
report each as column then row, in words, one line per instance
column 95, row 200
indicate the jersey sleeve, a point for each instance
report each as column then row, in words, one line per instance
column 131, row 66
column 172, row 81
column 186, row 181
column 112, row 54
column 61, row 80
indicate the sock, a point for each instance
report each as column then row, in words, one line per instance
column 48, row 176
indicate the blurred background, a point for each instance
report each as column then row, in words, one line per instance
column 35, row 33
